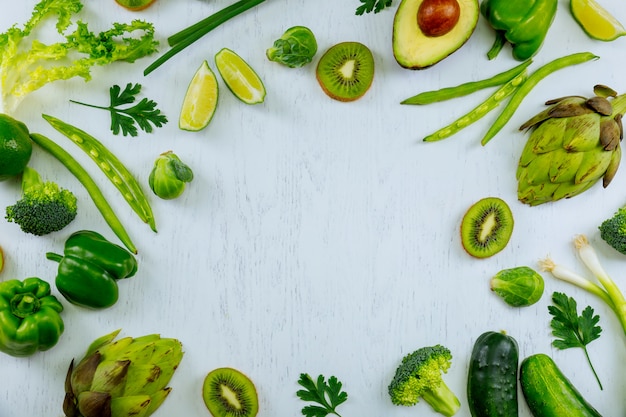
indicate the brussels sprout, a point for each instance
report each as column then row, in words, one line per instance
column 295, row 48
column 518, row 287
column 169, row 176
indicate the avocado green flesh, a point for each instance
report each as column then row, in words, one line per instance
column 414, row 50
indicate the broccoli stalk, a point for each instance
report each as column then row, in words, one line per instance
column 613, row 230
column 606, row 289
column 44, row 207
column 420, row 376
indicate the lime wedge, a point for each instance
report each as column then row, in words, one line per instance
column 596, row 21
column 200, row 100
column 1, row 260
column 135, row 5
column 239, row 77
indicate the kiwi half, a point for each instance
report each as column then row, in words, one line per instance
column 229, row 393
column 486, row 227
column 346, row 71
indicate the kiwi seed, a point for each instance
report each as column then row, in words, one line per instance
column 346, row 71
column 229, row 393
column 486, row 227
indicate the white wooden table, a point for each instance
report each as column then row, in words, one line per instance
column 317, row 236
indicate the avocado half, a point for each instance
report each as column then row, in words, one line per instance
column 413, row 49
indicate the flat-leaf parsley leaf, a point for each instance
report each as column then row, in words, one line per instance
column 327, row 395
column 144, row 114
column 372, row 5
column 572, row 330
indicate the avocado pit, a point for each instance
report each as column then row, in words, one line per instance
column 438, row 17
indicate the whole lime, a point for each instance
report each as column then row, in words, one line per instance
column 15, row 147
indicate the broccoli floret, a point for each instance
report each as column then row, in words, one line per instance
column 44, row 207
column 613, row 231
column 420, row 376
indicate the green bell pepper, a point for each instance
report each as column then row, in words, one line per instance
column 522, row 23
column 89, row 269
column 30, row 318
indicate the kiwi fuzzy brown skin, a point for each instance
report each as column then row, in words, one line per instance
column 334, row 83
column 486, row 227
column 240, row 388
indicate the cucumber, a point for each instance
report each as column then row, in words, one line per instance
column 548, row 392
column 492, row 376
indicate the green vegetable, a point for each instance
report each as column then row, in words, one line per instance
column 44, row 207
column 607, row 289
column 141, row 114
column 112, row 167
column 419, row 376
column 122, row 378
column 28, row 64
column 492, row 376
column 479, row 111
column 327, row 394
column 295, row 48
column 548, row 392
column 372, row 5
column 169, row 176
column 461, row 90
column 92, row 188
column 89, row 269
column 30, row 319
column 571, row 330
column 523, row 24
column 523, row 90
column 191, row 34
column 613, row 230
column 518, row 287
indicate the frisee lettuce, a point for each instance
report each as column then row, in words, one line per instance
column 27, row 66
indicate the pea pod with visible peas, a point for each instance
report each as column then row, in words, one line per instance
column 113, row 168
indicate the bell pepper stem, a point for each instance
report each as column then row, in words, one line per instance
column 54, row 256
column 498, row 43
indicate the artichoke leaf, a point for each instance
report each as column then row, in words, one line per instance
column 613, row 166
column 582, row 133
column 592, row 167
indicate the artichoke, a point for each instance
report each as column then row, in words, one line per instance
column 574, row 143
column 122, row 378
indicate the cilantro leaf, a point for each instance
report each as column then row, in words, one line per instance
column 327, row 395
column 143, row 114
column 372, row 5
column 571, row 330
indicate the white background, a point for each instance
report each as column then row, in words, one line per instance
column 317, row 236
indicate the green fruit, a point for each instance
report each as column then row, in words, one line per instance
column 229, row 393
column 15, row 147
column 427, row 31
column 486, row 227
column 135, row 5
column 346, row 71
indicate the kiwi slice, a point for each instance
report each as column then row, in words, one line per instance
column 229, row 393
column 486, row 227
column 346, row 71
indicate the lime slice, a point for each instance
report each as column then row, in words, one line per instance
column 240, row 77
column 1, row 260
column 135, row 5
column 596, row 21
column 200, row 100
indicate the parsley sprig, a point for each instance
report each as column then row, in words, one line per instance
column 572, row 330
column 372, row 5
column 327, row 395
column 143, row 114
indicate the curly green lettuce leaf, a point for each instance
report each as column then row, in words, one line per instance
column 29, row 64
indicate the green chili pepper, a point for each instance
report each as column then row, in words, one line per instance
column 89, row 269
column 524, row 24
column 30, row 319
